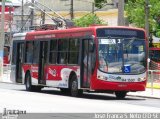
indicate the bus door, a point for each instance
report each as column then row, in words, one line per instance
column 17, row 60
column 42, row 61
column 20, row 52
column 86, row 63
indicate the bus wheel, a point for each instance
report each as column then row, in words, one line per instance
column 37, row 88
column 64, row 90
column 120, row 94
column 29, row 86
column 28, row 82
column 75, row 92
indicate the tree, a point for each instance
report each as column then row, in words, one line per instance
column 135, row 11
column 99, row 3
column 87, row 20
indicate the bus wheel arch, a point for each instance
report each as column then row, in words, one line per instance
column 73, row 85
column 28, row 83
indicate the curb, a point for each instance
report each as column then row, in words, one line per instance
column 143, row 96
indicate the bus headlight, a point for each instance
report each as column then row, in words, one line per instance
column 101, row 77
column 141, row 79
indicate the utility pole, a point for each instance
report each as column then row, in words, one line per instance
column 10, row 23
column 32, row 14
column 147, row 17
column 43, row 17
column 121, row 21
column 22, row 15
column 147, row 27
column 71, row 10
column 2, row 39
column 93, row 4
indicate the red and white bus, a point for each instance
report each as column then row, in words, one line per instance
column 6, row 56
column 154, row 55
column 96, row 58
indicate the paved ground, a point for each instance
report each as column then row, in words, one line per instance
column 51, row 104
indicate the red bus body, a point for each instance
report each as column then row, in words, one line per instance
column 155, row 63
column 58, row 75
column 6, row 55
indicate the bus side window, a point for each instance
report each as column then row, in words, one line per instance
column 35, row 52
column 53, row 51
column 29, row 52
column 73, row 54
column 62, row 51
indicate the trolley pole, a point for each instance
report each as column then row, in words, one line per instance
column 2, row 39
column 121, row 13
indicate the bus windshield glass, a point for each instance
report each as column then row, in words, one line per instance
column 122, row 55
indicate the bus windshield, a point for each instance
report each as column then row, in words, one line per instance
column 118, row 53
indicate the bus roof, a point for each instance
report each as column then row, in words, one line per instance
column 78, row 31
column 19, row 36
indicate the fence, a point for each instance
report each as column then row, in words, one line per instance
column 153, row 75
column 153, row 80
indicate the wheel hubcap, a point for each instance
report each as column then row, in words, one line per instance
column 74, row 86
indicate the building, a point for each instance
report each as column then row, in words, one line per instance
column 8, row 23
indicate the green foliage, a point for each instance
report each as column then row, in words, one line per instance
column 88, row 20
column 99, row 3
column 135, row 11
column 158, row 33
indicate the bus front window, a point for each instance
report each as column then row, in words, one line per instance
column 115, row 53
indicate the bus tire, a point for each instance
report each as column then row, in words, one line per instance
column 37, row 88
column 120, row 94
column 75, row 92
column 28, row 84
column 64, row 90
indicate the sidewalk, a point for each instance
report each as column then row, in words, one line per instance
column 6, row 78
column 149, row 93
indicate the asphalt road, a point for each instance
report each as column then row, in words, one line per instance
column 92, row 96
column 51, row 100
